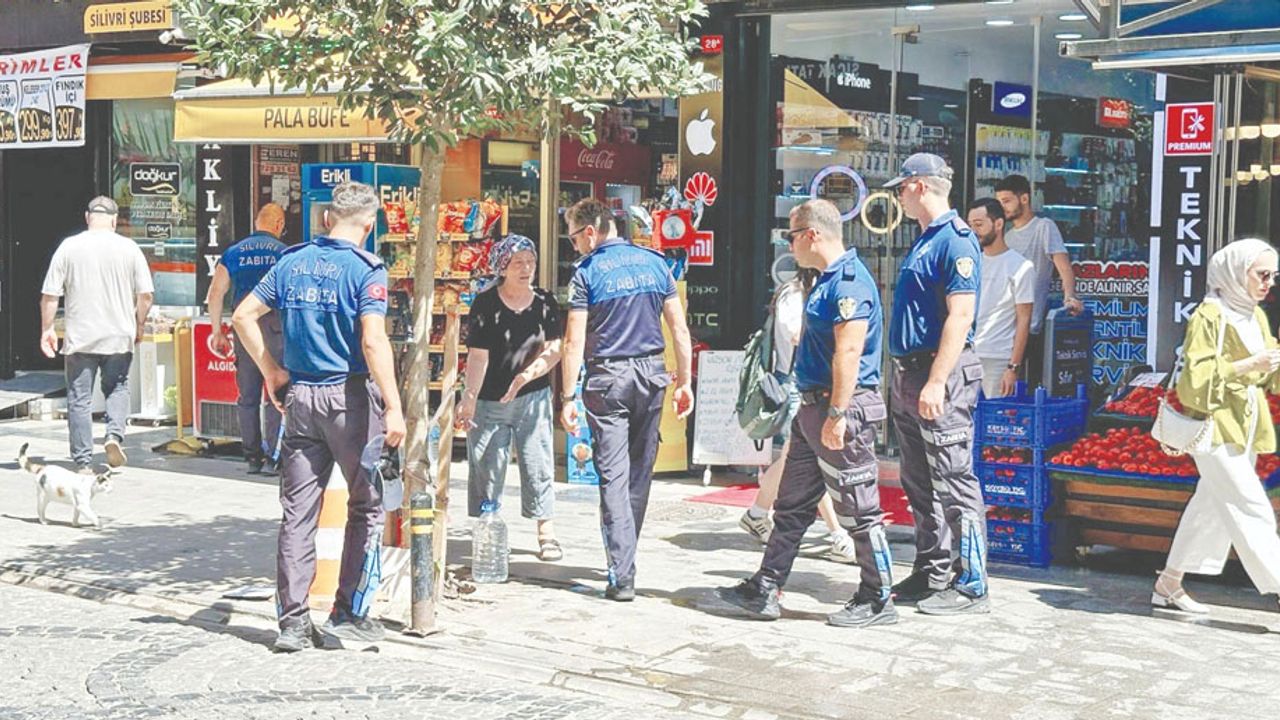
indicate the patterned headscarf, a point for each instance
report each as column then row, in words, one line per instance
column 501, row 253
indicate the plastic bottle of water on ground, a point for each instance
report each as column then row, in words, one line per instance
column 489, row 548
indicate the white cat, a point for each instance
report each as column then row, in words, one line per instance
column 58, row 484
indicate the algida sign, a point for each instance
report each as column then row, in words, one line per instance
column 128, row 17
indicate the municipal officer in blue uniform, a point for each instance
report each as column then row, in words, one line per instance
column 935, row 388
column 833, row 435
column 617, row 300
column 339, row 370
column 239, row 271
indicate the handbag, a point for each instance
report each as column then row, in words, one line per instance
column 1179, row 434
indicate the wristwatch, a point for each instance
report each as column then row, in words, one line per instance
column 835, row 413
column 569, row 397
column 1013, row 366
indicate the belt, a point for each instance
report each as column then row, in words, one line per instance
column 920, row 360
column 624, row 358
column 817, row 397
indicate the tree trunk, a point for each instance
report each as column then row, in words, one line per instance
column 418, row 376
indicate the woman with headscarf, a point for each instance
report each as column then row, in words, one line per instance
column 514, row 339
column 1224, row 372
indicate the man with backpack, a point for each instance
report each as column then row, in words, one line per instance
column 837, row 370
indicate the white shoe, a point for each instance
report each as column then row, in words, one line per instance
column 1179, row 600
column 842, row 548
column 759, row 528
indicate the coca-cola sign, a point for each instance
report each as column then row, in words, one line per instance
column 598, row 159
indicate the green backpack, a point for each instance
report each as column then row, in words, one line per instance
column 765, row 405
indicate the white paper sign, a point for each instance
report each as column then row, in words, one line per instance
column 42, row 98
column 717, row 437
column 1148, row 380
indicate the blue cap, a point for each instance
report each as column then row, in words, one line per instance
column 488, row 506
column 922, row 165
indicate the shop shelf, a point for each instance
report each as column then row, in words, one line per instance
column 1037, row 421
column 1020, row 543
column 1009, row 485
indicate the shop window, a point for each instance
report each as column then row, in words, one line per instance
column 153, row 181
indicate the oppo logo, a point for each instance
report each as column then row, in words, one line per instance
column 1013, row 100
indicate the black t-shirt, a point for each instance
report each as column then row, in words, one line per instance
column 512, row 339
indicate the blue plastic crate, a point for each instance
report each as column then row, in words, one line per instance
column 1020, row 486
column 1020, row 543
column 1036, row 421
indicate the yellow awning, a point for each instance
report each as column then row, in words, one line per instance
column 235, row 111
column 804, row 107
column 131, row 81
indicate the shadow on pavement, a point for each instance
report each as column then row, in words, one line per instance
column 215, row 619
column 177, row 557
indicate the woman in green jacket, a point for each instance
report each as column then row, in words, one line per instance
column 1229, row 507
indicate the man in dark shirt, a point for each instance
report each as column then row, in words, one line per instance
column 340, row 373
column 833, row 435
column 239, row 271
column 617, row 300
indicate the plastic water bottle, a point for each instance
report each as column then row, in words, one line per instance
column 489, row 548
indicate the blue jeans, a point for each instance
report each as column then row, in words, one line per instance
column 526, row 422
column 81, row 369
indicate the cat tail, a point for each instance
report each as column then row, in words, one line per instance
column 25, row 462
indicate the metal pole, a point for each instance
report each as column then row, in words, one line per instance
column 1035, row 99
column 422, row 511
column 1238, row 78
column 1216, row 165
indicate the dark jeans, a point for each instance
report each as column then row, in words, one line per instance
column 81, row 369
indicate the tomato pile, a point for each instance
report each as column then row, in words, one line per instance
column 1130, row 450
column 1004, row 514
column 1273, row 402
column 1140, row 402
column 1268, row 465
column 1006, row 455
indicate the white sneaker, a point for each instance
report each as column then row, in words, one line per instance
column 842, row 548
column 759, row 528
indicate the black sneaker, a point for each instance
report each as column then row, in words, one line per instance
column 915, row 588
column 860, row 612
column 622, row 592
column 256, row 462
column 954, row 602
column 758, row 600
column 295, row 636
column 353, row 629
column 115, row 452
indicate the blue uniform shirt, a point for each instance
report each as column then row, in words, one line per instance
column 622, row 287
column 845, row 291
column 321, row 290
column 248, row 261
column 945, row 260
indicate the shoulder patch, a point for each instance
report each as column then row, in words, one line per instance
column 965, row 267
column 373, row 261
column 847, row 306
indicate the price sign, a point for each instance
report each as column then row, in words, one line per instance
column 42, row 96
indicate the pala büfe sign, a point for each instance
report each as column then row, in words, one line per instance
column 154, row 178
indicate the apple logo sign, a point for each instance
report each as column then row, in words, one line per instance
column 698, row 135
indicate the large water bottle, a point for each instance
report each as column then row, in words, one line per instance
column 489, row 548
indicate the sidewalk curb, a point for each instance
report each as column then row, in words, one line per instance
column 605, row 679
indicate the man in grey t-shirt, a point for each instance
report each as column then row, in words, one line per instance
column 105, row 283
column 1037, row 239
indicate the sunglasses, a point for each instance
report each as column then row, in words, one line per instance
column 793, row 234
column 1266, row 276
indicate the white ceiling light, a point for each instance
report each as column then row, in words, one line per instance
column 1073, row 17
column 919, row 7
column 1271, row 130
column 999, row 2
column 915, row 98
column 1249, row 132
column 951, row 106
column 1068, row 36
column 1000, row 22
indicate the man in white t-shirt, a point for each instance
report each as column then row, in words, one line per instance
column 105, row 283
column 1039, row 240
column 1005, row 301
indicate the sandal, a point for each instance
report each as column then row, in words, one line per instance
column 549, row 550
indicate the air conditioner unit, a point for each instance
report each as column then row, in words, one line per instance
column 213, row 388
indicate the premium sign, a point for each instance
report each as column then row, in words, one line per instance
column 128, row 17
column 42, row 98
column 1114, row 113
column 1188, row 129
column 154, row 178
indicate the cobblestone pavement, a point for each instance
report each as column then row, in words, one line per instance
column 65, row 657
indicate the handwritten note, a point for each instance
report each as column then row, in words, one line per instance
column 717, row 437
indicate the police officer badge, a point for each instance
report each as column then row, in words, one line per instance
column 964, row 266
column 847, row 306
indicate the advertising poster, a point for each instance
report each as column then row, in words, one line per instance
column 1116, row 294
column 277, row 178
column 42, row 98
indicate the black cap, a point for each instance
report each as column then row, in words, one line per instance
column 103, row 205
column 922, row 165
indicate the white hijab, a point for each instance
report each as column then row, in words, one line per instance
column 1228, row 282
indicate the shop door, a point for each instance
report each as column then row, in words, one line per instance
column 45, row 193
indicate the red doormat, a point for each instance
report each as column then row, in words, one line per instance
column 892, row 500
